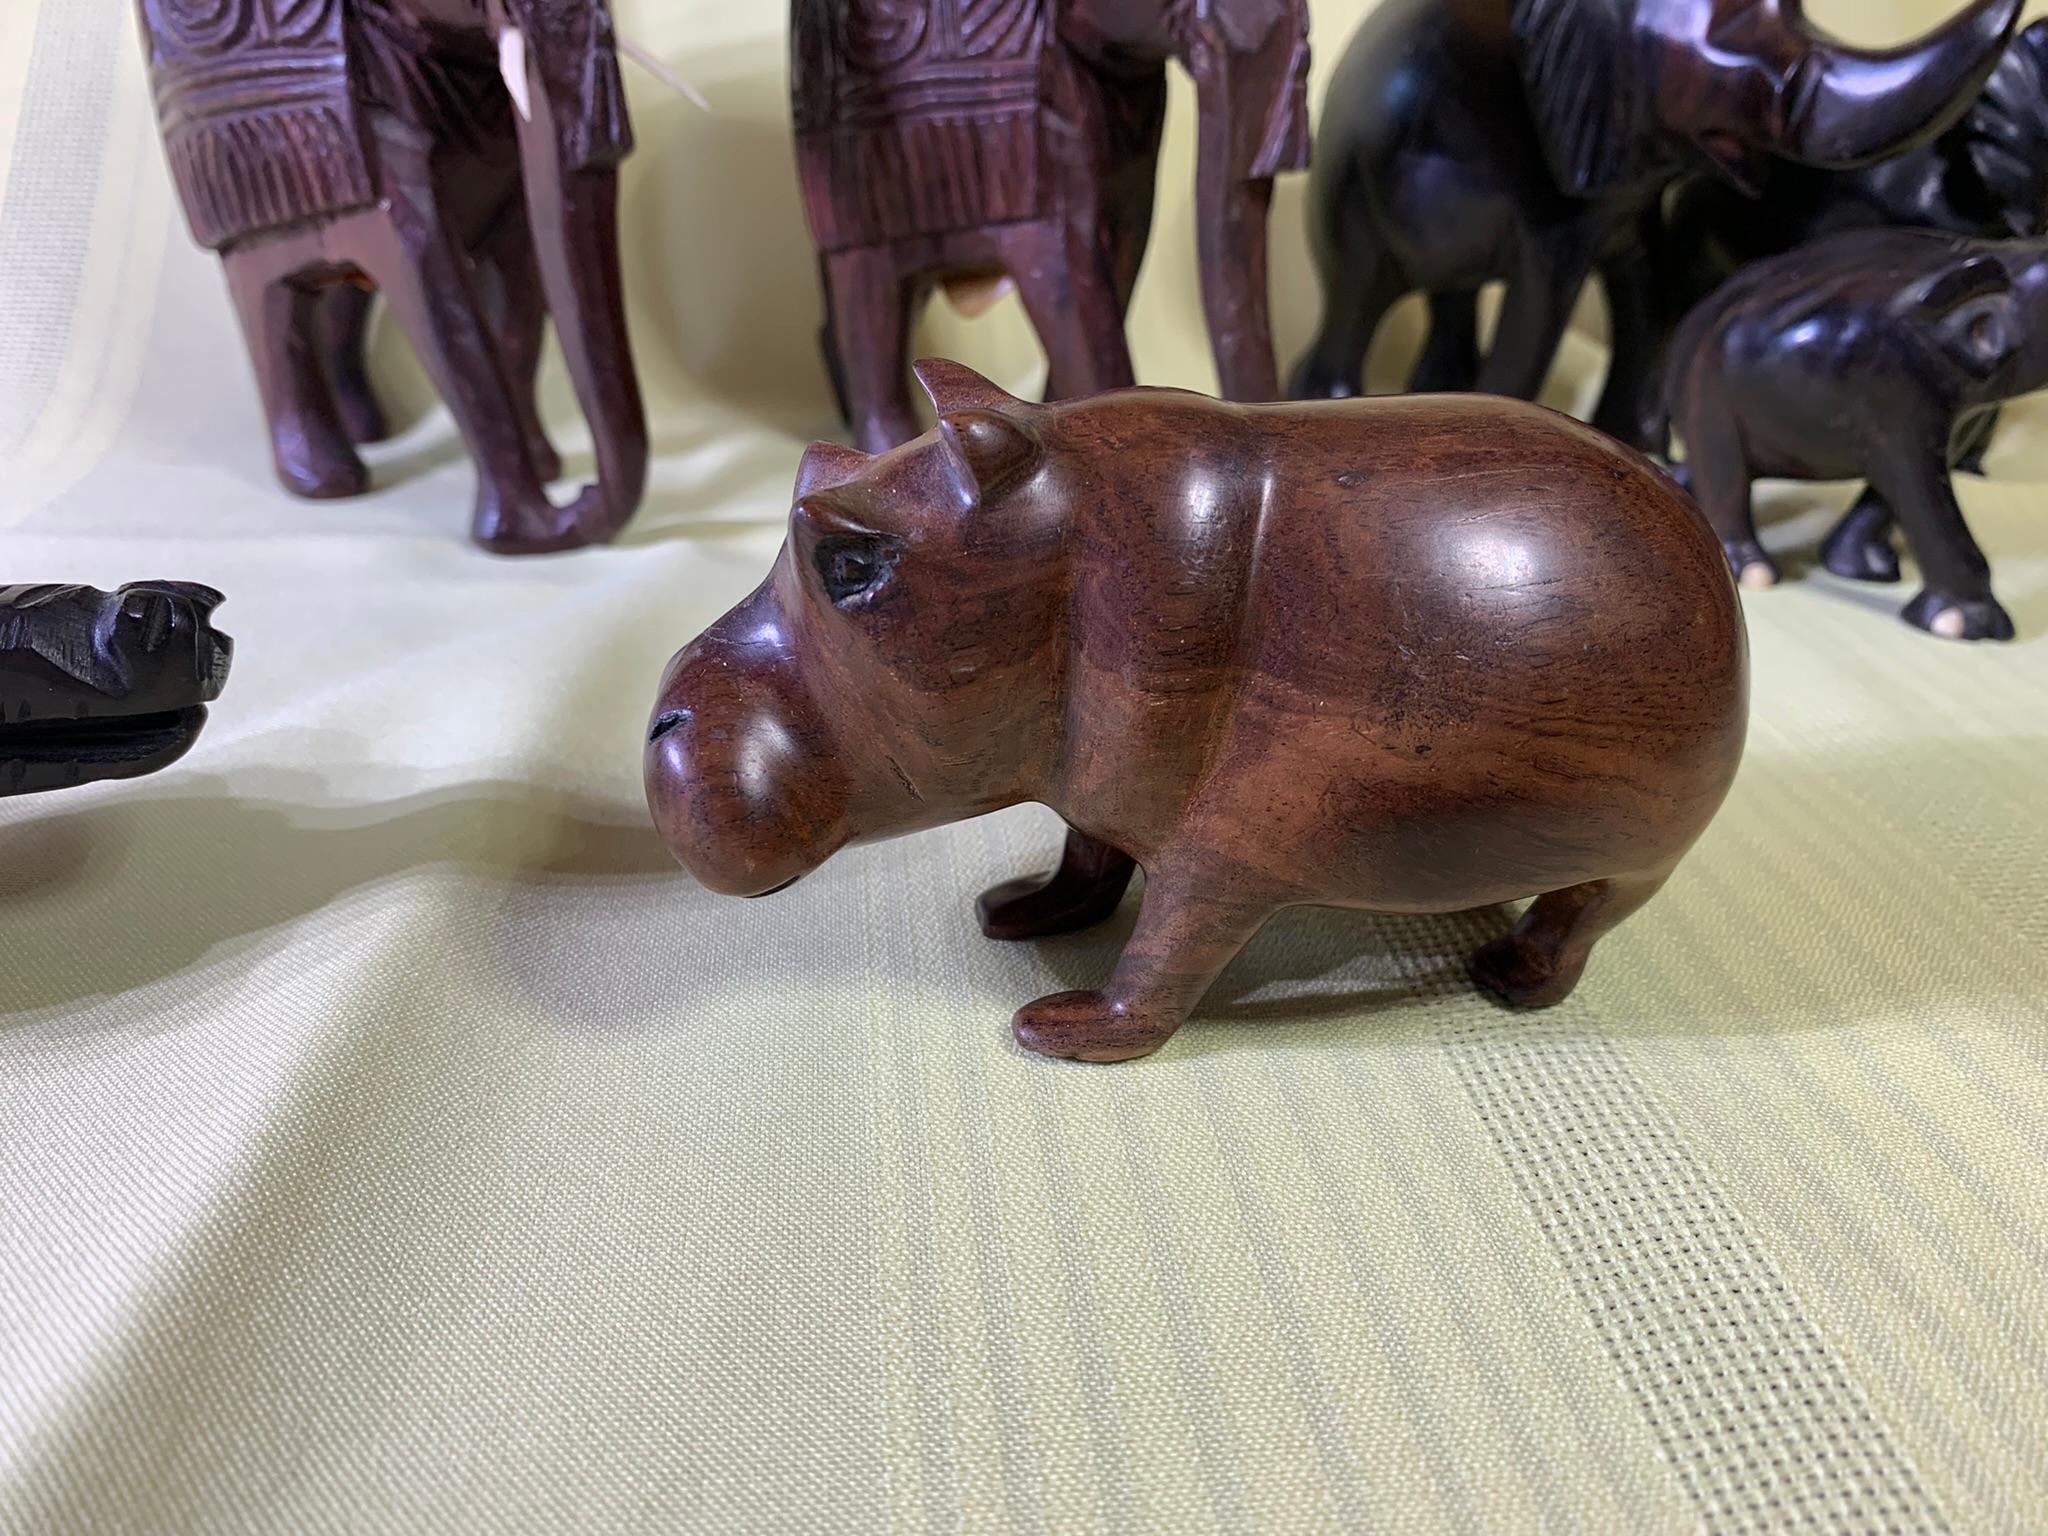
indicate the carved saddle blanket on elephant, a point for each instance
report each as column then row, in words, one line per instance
column 264, row 103
column 917, row 117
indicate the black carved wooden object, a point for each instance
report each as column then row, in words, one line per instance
column 104, row 685
column 1532, row 142
column 1867, row 355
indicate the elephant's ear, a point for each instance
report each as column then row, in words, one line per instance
column 1970, row 307
column 1583, row 71
column 956, row 387
column 2006, row 134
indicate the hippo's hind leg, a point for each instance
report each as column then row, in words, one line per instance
column 1083, row 891
column 1541, row 961
column 1187, row 933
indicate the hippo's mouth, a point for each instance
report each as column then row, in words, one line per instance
column 39, row 755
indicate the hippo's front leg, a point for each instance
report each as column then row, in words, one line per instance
column 1087, row 887
column 1186, row 934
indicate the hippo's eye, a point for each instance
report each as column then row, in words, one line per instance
column 852, row 565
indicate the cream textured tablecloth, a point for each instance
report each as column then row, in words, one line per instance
column 391, row 1139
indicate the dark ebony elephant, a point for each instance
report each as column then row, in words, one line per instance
column 1863, row 356
column 942, row 141
column 458, row 156
column 1987, row 177
column 1532, row 141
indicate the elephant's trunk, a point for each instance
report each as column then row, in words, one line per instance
column 1846, row 107
column 572, row 136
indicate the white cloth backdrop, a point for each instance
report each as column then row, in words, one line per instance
column 392, row 1140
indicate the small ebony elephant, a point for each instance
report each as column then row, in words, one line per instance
column 954, row 141
column 1986, row 178
column 1532, row 141
column 104, row 685
column 1864, row 355
column 460, row 157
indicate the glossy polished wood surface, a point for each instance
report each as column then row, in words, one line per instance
column 1868, row 355
column 460, row 157
column 1408, row 655
column 1531, row 142
column 104, row 685
column 957, row 142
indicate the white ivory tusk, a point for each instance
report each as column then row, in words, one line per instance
column 512, row 65
column 660, row 71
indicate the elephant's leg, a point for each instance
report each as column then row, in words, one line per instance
column 1450, row 357
column 869, row 299
column 1717, row 473
column 1550, row 269
column 1955, row 598
column 1086, row 888
column 344, row 329
column 521, row 323
column 1186, row 934
column 1973, row 440
column 280, row 322
column 1358, row 290
column 429, row 281
column 1236, row 297
column 1069, row 291
column 1631, row 405
column 1860, row 546
column 1541, row 961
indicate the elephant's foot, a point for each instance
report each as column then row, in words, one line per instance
column 1856, row 552
column 547, row 463
column 1089, row 1026
column 1516, row 973
column 532, row 525
column 1958, row 618
column 1754, row 570
column 314, row 464
column 1313, row 380
column 1087, row 887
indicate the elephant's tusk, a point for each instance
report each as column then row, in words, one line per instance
column 512, row 65
column 661, row 71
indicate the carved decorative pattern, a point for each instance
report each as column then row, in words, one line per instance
column 917, row 117
column 883, row 33
column 258, row 112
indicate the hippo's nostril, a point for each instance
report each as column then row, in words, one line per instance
column 667, row 721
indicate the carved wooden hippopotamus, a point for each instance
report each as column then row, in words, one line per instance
column 1406, row 655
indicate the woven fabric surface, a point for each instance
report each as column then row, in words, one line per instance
column 392, row 1139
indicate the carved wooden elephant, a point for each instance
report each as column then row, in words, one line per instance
column 458, row 156
column 1532, row 141
column 941, row 140
column 1986, row 178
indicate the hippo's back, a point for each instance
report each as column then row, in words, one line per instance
column 1507, row 648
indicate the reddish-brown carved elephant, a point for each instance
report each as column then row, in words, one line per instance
column 461, row 157
column 941, row 140
column 1411, row 655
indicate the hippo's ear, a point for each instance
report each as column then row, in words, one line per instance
column 826, row 465
column 995, row 450
column 955, row 387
